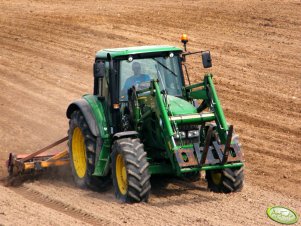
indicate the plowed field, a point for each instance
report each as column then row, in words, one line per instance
column 47, row 50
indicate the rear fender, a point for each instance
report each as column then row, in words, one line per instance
column 86, row 110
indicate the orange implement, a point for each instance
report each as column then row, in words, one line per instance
column 37, row 161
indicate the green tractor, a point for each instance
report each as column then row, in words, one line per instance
column 142, row 120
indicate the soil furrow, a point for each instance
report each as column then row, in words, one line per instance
column 72, row 211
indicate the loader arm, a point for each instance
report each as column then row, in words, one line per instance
column 160, row 107
column 208, row 94
column 169, row 128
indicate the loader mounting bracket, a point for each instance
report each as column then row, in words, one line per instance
column 185, row 157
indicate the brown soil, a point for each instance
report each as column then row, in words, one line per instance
column 47, row 51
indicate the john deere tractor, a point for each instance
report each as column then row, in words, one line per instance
column 143, row 119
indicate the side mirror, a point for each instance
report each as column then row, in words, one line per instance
column 99, row 69
column 206, row 58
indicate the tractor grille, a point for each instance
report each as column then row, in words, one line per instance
column 185, row 129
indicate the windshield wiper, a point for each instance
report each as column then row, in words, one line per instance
column 165, row 67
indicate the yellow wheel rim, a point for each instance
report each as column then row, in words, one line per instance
column 216, row 178
column 79, row 152
column 121, row 174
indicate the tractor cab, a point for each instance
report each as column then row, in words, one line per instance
column 137, row 66
column 117, row 72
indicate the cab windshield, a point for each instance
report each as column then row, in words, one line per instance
column 139, row 72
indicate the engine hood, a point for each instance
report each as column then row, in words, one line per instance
column 179, row 106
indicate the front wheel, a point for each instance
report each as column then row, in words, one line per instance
column 130, row 171
column 226, row 180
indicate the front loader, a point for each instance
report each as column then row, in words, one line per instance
column 143, row 119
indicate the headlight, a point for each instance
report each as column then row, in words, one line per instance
column 193, row 133
column 181, row 134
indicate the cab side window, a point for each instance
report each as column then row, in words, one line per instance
column 104, row 84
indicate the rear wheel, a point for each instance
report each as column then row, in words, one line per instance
column 130, row 171
column 82, row 151
column 226, row 180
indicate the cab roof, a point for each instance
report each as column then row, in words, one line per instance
column 119, row 52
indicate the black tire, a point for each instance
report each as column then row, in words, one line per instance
column 137, row 179
column 226, row 180
column 77, row 120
